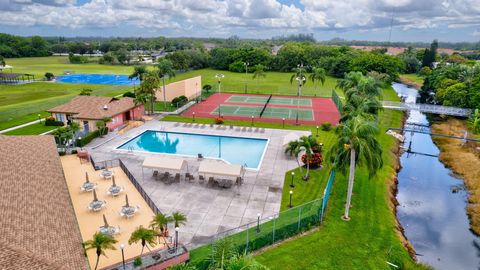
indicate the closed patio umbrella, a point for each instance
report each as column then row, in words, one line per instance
column 105, row 223
column 126, row 201
column 95, row 196
column 113, row 180
column 86, row 178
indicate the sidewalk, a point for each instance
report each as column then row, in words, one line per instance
column 19, row 126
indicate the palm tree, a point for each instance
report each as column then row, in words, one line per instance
column 149, row 86
column 179, row 219
column 138, row 72
column 100, row 243
column 146, row 236
column 306, row 144
column 259, row 73
column 350, row 80
column 365, row 106
column 356, row 143
column 298, row 72
column 159, row 223
column 318, row 74
column 164, row 69
column 140, row 98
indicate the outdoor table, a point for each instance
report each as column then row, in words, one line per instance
column 128, row 211
column 88, row 186
column 106, row 174
column 114, row 190
column 97, row 205
column 108, row 230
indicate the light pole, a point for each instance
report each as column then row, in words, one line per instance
column 193, row 115
column 80, row 142
column 290, row 205
column 317, row 131
column 291, row 183
column 300, row 80
column 258, row 222
column 283, row 122
column 176, row 238
column 122, row 246
column 252, row 120
column 245, row 64
column 219, row 77
column 39, row 119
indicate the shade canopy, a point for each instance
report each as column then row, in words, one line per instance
column 219, row 168
column 165, row 163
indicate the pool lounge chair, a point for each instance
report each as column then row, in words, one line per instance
column 201, row 179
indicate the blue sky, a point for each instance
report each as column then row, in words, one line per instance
column 413, row 20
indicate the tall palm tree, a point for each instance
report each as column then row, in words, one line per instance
column 318, row 74
column 165, row 69
column 159, row 223
column 356, row 144
column 146, row 236
column 259, row 73
column 306, row 144
column 138, row 72
column 149, row 86
column 299, row 72
column 100, row 243
column 293, row 149
column 350, row 80
column 179, row 219
column 140, row 98
column 363, row 105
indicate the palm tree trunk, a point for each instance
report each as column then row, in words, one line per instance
column 299, row 166
column 96, row 264
column 164, row 94
column 141, row 253
column 307, row 175
column 351, row 177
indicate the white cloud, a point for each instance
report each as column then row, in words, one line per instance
column 233, row 16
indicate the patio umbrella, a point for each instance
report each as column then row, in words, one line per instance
column 126, row 201
column 95, row 196
column 113, row 180
column 105, row 221
column 86, row 177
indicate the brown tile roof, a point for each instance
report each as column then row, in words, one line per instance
column 38, row 227
column 92, row 107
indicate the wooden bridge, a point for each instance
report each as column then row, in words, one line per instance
column 427, row 108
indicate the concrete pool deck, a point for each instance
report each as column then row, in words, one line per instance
column 209, row 210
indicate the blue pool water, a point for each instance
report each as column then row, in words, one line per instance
column 235, row 150
column 97, row 79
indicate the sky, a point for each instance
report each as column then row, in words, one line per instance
column 408, row 20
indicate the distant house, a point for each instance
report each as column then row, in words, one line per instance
column 38, row 227
column 87, row 110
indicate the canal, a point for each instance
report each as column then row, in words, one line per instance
column 432, row 202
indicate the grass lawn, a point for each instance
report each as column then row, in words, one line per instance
column 367, row 241
column 59, row 64
column 412, row 79
column 33, row 129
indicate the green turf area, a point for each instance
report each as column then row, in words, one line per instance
column 270, row 112
column 412, row 78
column 33, row 129
column 58, row 65
column 274, row 100
column 367, row 241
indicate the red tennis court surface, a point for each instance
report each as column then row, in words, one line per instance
column 320, row 109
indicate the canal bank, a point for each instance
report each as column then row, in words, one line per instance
column 432, row 216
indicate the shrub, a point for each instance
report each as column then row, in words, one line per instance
column 207, row 88
column 179, row 101
column 50, row 121
column 315, row 160
column 219, row 120
column 137, row 262
column 49, row 76
column 87, row 139
column 327, row 126
column 129, row 94
column 86, row 92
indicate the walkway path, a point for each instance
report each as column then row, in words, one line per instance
column 19, row 126
column 427, row 108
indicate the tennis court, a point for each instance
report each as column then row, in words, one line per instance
column 306, row 102
column 269, row 112
column 266, row 108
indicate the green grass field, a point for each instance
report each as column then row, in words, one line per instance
column 33, row 129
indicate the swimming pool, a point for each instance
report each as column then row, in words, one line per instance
column 97, row 79
column 235, row 150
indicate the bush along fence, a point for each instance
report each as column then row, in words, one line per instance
column 270, row 230
column 338, row 102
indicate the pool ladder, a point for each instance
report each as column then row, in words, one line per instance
column 130, row 149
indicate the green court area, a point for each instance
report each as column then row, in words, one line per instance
column 306, row 102
column 270, row 112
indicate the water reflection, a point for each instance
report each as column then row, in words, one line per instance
column 434, row 217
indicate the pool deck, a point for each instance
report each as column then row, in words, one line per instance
column 89, row 221
column 209, row 210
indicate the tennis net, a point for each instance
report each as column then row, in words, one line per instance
column 265, row 106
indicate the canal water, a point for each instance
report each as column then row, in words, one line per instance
column 432, row 214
